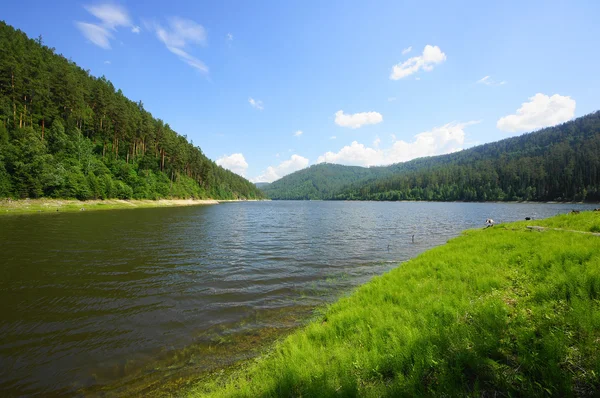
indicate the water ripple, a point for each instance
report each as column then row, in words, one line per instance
column 87, row 295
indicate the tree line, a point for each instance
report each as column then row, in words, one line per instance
column 560, row 163
column 67, row 134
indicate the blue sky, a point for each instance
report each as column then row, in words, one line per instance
column 269, row 87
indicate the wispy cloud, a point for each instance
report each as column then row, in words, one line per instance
column 178, row 35
column 488, row 81
column 392, row 99
column 258, row 104
column 96, row 34
column 110, row 17
column 107, row 62
column 432, row 55
column 298, row 133
column 406, row 50
column 229, row 37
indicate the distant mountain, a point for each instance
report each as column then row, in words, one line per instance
column 559, row 163
column 320, row 181
column 67, row 134
column 262, row 185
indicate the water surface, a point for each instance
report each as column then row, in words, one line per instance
column 92, row 298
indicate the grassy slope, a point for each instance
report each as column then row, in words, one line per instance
column 505, row 309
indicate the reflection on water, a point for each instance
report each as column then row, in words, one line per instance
column 89, row 299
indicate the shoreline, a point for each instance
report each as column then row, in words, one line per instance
column 46, row 205
column 550, row 202
column 456, row 312
column 35, row 206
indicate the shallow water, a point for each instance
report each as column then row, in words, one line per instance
column 91, row 298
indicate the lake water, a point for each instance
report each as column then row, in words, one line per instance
column 98, row 302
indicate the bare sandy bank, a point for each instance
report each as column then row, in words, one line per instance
column 25, row 206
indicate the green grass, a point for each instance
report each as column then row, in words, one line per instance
column 585, row 221
column 501, row 311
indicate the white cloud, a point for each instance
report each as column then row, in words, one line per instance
column 258, row 104
column 189, row 59
column 298, row 133
column 107, row 62
column 541, row 111
column 392, row 99
column 110, row 16
column 407, row 50
column 439, row 140
column 376, row 142
column 272, row 173
column 333, row 137
column 488, row 81
column 234, row 162
column 357, row 120
column 179, row 35
column 96, row 34
column 229, row 37
column 181, row 32
column 431, row 56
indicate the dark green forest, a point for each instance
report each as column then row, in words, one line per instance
column 560, row 163
column 67, row 134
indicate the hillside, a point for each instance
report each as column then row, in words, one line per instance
column 320, row 181
column 558, row 163
column 67, row 134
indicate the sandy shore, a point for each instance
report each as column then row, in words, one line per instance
column 26, row 206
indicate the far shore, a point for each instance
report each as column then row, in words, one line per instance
column 30, row 206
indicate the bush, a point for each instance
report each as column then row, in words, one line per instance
column 122, row 190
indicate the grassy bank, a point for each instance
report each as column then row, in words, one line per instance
column 502, row 311
column 29, row 206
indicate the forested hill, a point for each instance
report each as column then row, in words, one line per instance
column 67, row 134
column 319, row 181
column 559, row 163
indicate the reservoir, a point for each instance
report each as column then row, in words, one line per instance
column 125, row 301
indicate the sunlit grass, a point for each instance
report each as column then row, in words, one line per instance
column 504, row 309
column 584, row 221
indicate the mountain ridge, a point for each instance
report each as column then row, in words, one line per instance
column 555, row 163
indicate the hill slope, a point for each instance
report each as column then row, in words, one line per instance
column 320, row 181
column 557, row 163
column 67, row 134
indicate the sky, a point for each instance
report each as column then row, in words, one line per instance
column 266, row 88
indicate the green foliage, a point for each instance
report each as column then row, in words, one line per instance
column 559, row 163
column 320, row 181
column 67, row 134
column 501, row 311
